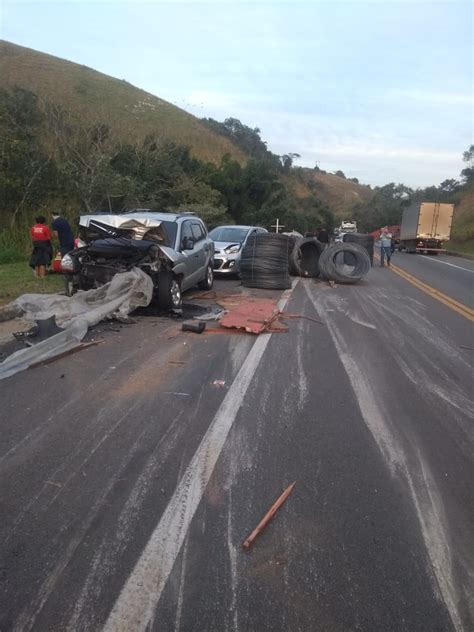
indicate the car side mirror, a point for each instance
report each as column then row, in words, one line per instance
column 188, row 243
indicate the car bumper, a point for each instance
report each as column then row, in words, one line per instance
column 226, row 264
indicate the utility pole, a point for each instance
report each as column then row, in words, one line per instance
column 277, row 226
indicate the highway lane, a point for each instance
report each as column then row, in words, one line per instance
column 370, row 413
column 453, row 276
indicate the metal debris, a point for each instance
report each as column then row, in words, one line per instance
column 268, row 516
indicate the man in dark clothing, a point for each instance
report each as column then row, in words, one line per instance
column 323, row 235
column 62, row 230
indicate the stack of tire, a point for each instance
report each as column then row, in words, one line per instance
column 333, row 266
column 304, row 258
column 264, row 262
column 366, row 241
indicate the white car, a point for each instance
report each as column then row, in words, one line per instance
column 228, row 244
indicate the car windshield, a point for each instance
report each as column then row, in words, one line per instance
column 229, row 233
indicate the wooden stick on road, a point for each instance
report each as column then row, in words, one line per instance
column 268, row 516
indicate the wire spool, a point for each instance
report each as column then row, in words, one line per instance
column 333, row 266
column 265, row 260
column 366, row 241
column 304, row 258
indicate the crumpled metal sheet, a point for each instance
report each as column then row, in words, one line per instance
column 255, row 315
column 138, row 226
column 125, row 292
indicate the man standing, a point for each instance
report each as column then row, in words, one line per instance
column 42, row 251
column 385, row 246
column 62, row 231
column 323, row 236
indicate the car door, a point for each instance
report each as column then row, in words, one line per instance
column 190, row 257
column 201, row 247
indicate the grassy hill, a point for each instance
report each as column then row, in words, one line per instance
column 95, row 97
column 338, row 194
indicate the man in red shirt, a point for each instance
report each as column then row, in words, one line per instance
column 42, row 249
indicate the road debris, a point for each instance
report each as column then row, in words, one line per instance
column 285, row 316
column 255, row 315
column 54, row 484
column 214, row 314
column 268, row 516
column 80, row 347
column 196, row 328
column 125, row 292
column 219, row 383
column 175, row 393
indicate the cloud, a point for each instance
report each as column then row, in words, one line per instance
column 437, row 98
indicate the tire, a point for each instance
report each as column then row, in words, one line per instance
column 207, row 282
column 168, row 291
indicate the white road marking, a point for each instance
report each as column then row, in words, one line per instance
column 135, row 606
column 446, row 263
column 425, row 495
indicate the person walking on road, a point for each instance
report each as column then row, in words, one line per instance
column 42, row 249
column 63, row 232
column 385, row 246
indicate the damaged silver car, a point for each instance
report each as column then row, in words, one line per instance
column 173, row 249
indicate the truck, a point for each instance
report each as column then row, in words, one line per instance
column 348, row 226
column 426, row 227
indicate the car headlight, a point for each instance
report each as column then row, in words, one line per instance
column 232, row 250
column 67, row 264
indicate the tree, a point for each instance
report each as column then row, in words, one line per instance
column 287, row 161
column 26, row 170
column 340, row 174
column 468, row 172
column 385, row 208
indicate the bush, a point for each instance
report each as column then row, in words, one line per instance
column 14, row 246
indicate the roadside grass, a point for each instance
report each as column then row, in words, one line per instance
column 465, row 247
column 17, row 278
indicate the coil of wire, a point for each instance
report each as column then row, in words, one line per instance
column 304, row 258
column 264, row 262
column 333, row 266
column 366, row 241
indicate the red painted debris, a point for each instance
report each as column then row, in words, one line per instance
column 255, row 315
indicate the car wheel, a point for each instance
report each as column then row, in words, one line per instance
column 206, row 284
column 168, row 291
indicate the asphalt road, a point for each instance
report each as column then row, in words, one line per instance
column 129, row 479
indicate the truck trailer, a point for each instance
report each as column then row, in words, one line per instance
column 425, row 228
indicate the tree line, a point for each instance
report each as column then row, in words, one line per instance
column 50, row 160
column 389, row 201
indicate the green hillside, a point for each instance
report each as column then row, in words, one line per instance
column 120, row 147
column 335, row 192
column 97, row 98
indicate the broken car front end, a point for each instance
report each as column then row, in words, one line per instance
column 111, row 249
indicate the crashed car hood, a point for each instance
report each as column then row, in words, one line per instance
column 139, row 227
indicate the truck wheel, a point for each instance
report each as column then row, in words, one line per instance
column 207, row 283
column 168, row 291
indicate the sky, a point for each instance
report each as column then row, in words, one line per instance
column 380, row 90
